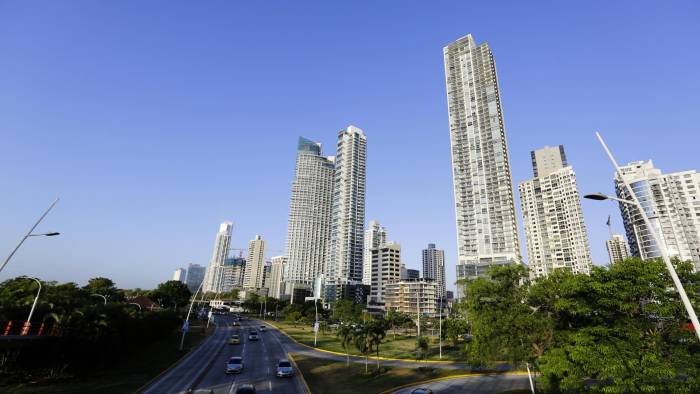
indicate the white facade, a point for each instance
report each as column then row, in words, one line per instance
column 348, row 217
column 617, row 249
column 212, row 278
column 254, row 265
column 487, row 232
column 375, row 235
column 672, row 204
column 277, row 269
column 386, row 268
column 434, row 267
column 180, row 274
column 310, row 207
column 412, row 297
column 555, row 232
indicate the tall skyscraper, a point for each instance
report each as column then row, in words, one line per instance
column 555, row 232
column 279, row 265
column 386, row 268
column 487, row 231
column 434, row 267
column 348, row 217
column 254, row 275
column 180, row 275
column 195, row 276
column 375, row 235
column 310, row 207
column 212, row 278
column 617, row 248
column 672, row 204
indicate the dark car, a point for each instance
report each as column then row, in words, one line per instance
column 246, row 389
column 422, row 391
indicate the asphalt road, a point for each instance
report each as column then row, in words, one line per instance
column 484, row 384
column 205, row 367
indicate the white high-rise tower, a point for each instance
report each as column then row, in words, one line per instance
column 672, row 203
column 253, row 277
column 309, row 227
column 434, row 267
column 375, row 235
column 487, row 232
column 212, row 277
column 555, row 232
column 348, row 220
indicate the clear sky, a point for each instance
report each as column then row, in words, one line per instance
column 155, row 121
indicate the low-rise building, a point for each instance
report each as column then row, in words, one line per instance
column 412, row 297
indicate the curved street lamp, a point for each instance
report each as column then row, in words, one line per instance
column 29, row 234
column 133, row 303
column 28, row 323
column 657, row 237
column 99, row 295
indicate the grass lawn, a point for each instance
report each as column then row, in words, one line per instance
column 126, row 376
column 324, row 376
column 402, row 347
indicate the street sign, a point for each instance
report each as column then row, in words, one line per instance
column 316, row 327
column 185, row 326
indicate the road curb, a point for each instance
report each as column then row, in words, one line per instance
column 301, row 375
column 465, row 375
column 166, row 370
column 408, row 360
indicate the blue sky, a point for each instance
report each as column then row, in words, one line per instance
column 155, row 121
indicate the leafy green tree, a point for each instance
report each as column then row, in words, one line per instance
column 376, row 332
column 105, row 287
column 293, row 316
column 503, row 327
column 171, row 293
column 454, row 328
column 345, row 311
column 422, row 348
column 361, row 339
column 622, row 327
column 346, row 334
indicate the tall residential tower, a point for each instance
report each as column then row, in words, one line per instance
column 310, row 207
column 555, row 232
column 348, row 218
column 375, row 235
column 487, row 232
column 434, row 267
column 672, row 203
column 254, row 265
column 212, row 277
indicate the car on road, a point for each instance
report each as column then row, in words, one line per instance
column 246, row 389
column 253, row 336
column 235, row 324
column 422, row 391
column 234, row 365
column 262, row 328
column 284, row 369
column 234, row 340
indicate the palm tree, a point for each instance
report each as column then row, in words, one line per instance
column 361, row 339
column 346, row 334
column 376, row 333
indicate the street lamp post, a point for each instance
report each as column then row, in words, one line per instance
column 657, row 237
column 100, row 295
column 316, row 323
column 29, row 234
column 186, row 324
column 28, row 324
column 440, row 330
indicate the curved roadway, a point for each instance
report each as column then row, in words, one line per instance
column 204, row 368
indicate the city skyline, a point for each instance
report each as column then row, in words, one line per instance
column 84, row 144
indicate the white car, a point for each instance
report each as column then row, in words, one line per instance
column 234, row 365
column 284, row 369
column 262, row 328
column 253, row 336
